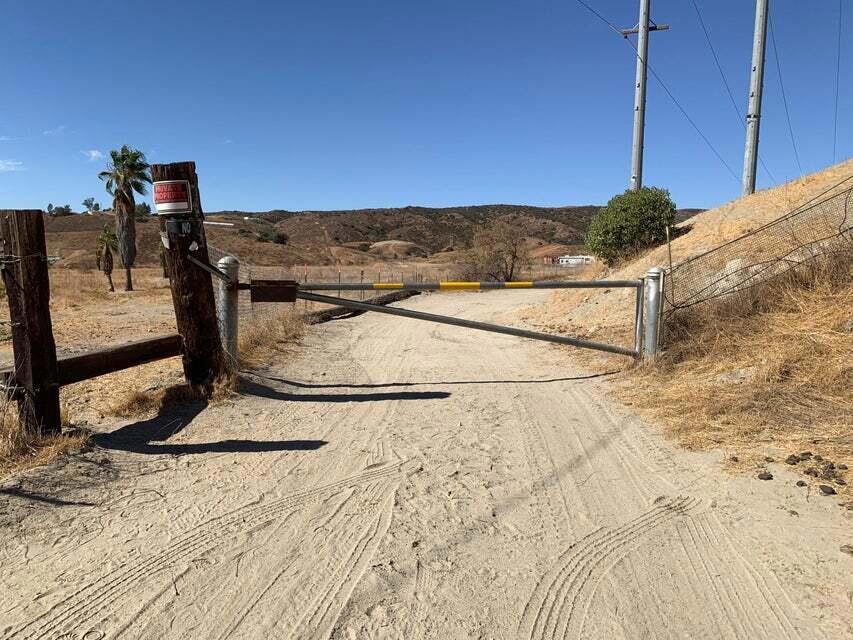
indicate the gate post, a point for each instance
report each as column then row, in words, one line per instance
column 638, row 319
column 654, row 298
column 24, row 267
column 177, row 203
column 227, row 300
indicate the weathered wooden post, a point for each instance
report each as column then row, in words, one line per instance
column 24, row 266
column 178, row 205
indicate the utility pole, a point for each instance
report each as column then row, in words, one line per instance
column 642, row 29
column 756, row 87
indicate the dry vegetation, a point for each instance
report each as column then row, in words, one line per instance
column 21, row 449
column 266, row 333
column 135, row 402
column 768, row 371
column 605, row 315
column 261, row 337
column 768, row 374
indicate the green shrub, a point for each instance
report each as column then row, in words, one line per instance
column 277, row 237
column 630, row 222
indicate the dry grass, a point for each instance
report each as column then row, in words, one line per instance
column 134, row 403
column 71, row 288
column 599, row 315
column 266, row 333
column 767, row 373
column 21, row 449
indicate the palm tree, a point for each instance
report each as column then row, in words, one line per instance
column 107, row 243
column 127, row 173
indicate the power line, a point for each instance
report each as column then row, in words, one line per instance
column 837, row 83
column 694, row 125
column 599, row 16
column 784, row 97
column 664, row 86
column 740, row 117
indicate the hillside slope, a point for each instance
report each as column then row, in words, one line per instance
column 608, row 312
column 336, row 237
column 767, row 377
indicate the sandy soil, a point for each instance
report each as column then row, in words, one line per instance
column 396, row 479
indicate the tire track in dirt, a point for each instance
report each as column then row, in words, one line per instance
column 553, row 607
column 423, row 588
column 324, row 611
column 532, row 512
column 740, row 600
column 83, row 605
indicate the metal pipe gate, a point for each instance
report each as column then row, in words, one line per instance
column 469, row 324
column 646, row 307
column 469, row 286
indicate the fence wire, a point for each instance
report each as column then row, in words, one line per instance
column 810, row 231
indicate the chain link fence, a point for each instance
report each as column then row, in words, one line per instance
column 812, row 230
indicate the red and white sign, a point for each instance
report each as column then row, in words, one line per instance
column 172, row 196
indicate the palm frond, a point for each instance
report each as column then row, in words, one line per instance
column 128, row 172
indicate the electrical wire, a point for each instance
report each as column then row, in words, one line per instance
column 784, row 97
column 738, row 112
column 690, row 120
column 837, row 83
column 664, row 86
column 600, row 17
column 740, row 117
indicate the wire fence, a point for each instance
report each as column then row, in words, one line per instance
column 374, row 273
column 812, row 230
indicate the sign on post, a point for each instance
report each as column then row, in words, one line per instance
column 172, row 197
column 178, row 205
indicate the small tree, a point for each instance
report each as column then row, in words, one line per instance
column 107, row 243
column 107, row 266
column 630, row 222
column 497, row 251
column 91, row 206
column 143, row 211
column 57, row 212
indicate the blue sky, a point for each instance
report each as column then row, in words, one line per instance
column 328, row 104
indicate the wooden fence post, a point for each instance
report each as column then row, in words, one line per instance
column 24, row 266
column 182, row 234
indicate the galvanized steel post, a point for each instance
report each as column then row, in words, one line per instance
column 227, row 297
column 756, row 89
column 654, row 299
column 638, row 321
column 640, row 97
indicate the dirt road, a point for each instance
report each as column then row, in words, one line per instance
column 397, row 479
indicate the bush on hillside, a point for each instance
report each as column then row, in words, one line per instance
column 278, row 237
column 630, row 222
column 59, row 211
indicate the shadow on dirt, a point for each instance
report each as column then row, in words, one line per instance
column 263, row 391
column 18, row 492
column 391, row 385
column 143, row 436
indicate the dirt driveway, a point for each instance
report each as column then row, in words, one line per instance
column 397, row 479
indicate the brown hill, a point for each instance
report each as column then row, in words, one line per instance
column 284, row 238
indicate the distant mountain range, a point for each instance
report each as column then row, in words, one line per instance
column 285, row 238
